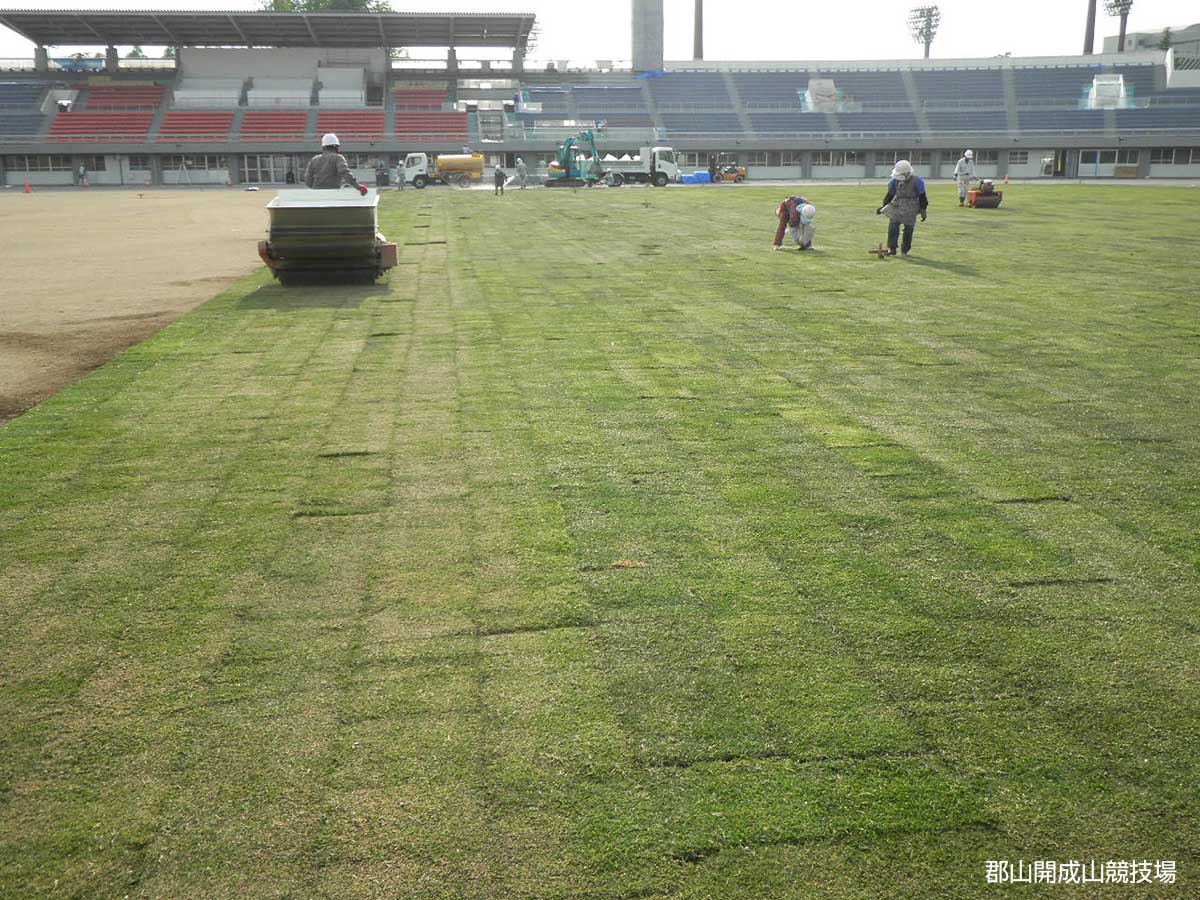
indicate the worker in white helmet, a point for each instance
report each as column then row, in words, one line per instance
column 328, row 170
column 522, row 172
column 905, row 201
column 802, row 234
column 964, row 174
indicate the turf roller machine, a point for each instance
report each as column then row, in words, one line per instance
column 328, row 235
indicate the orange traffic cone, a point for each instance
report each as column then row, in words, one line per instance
column 28, row 189
column 85, row 183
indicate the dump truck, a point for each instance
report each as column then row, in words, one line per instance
column 458, row 169
column 327, row 234
column 653, row 165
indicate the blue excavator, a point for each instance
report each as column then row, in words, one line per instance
column 568, row 170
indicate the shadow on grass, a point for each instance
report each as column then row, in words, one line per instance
column 312, row 294
column 956, row 268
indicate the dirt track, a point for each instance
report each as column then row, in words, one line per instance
column 88, row 273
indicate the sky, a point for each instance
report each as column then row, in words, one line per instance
column 768, row 29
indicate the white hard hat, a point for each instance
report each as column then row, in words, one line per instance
column 807, row 211
column 902, row 169
column 969, row 155
column 330, row 140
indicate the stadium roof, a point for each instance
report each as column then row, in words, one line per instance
column 269, row 29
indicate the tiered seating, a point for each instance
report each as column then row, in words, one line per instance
column 1160, row 116
column 419, row 98
column 869, row 87
column 701, row 122
column 1139, row 80
column 450, row 124
column 1053, row 84
column 968, row 84
column 789, row 122
column 259, row 125
column 1056, row 119
column 890, row 120
column 20, row 123
column 625, row 120
column 690, row 88
column 968, row 120
column 208, row 92
column 628, row 97
column 111, row 126
column 771, row 87
column 345, row 124
column 112, row 96
column 195, row 126
column 20, row 94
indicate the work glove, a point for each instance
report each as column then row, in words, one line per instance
column 362, row 189
column 879, row 211
column 922, row 216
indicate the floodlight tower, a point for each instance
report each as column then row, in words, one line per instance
column 923, row 22
column 1117, row 8
column 698, row 36
column 1089, row 32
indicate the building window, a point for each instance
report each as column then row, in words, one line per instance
column 835, row 158
column 1128, row 157
column 920, row 157
column 1195, row 156
column 139, row 164
column 791, row 158
column 194, row 161
column 987, row 157
column 39, row 163
column 1163, row 156
column 1018, row 157
column 756, row 158
column 92, row 163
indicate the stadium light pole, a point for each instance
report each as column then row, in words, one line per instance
column 1119, row 8
column 923, row 22
column 698, row 35
column 1089, row 33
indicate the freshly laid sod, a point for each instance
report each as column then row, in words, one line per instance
column 602, row 552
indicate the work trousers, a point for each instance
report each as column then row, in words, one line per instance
column 894, row 235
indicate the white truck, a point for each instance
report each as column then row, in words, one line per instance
column 458, row 169
column 652, row 165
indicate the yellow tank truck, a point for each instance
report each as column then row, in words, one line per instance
column 458, row 169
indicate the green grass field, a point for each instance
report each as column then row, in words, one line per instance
column 604, row 553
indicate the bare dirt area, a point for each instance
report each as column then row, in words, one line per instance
column 87, row 274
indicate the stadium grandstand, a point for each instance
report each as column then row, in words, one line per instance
column 247, row 95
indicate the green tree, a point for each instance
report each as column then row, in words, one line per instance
column 137, row 52
column 169, row 53
column 1164, row 42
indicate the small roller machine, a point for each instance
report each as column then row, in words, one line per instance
column 985, row 196
column 330, row 234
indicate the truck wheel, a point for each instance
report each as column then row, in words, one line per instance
column 738, row 180
column 463, row 181
column 614, row 179
column 660, row 179
column 420, row 181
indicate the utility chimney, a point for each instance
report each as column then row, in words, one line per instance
column 1089, row 34
column 698, row 41
column 647, row 35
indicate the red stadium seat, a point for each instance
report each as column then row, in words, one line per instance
column 351, row 125
column 449, row 124
column 195, row 126
column 91, row 126
column 260, row 125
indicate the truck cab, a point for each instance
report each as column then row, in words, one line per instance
column 662, row 159
column 416, row 165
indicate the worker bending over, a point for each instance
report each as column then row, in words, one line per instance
column 905, row 200
column 964, row 174
column 795, row 215
column 328, row 170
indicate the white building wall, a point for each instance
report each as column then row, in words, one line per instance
column 1172, row 171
